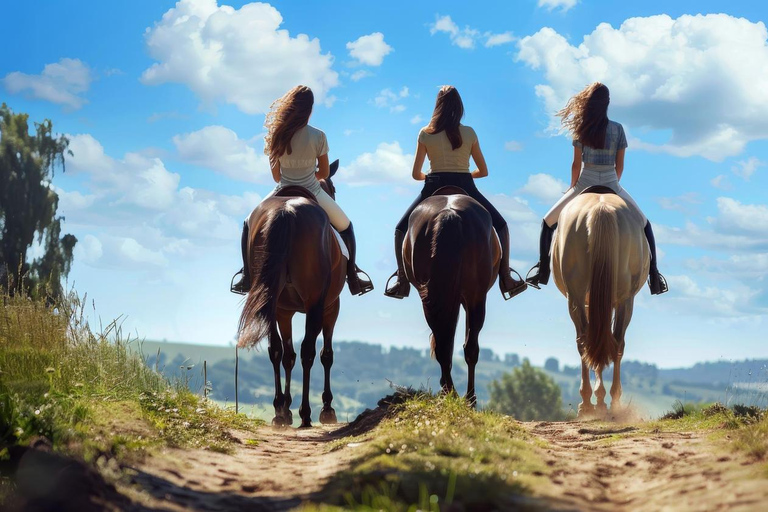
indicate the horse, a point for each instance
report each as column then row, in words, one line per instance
column 600, row 261
column 296, row 266
column 451, row 255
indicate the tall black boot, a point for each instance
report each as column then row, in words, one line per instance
column 656, row 281
column 357, row 285
column 508, row 285
column 541, row 270
column 401, row 288
column 243, row 285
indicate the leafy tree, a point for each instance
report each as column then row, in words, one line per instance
column 527, row 394
column 552, row 365
column 28, row 207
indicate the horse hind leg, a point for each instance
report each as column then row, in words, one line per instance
column 441, row 340
column 328, row 414
column 600, row 393
column 623, row 317
column 312, row 330
column 579, row 317
column 289, row 360
column 275, row 356
column 475, row 321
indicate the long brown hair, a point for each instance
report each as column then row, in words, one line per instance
column 586, row 115
column 286, row 116
column 447, row 115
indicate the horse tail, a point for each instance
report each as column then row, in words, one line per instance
column 603, row 228
column 441, row 296
column 268, row 275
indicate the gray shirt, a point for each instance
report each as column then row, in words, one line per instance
column 299, row 167
column 604, row 159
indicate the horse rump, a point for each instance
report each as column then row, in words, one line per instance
column 268, row 276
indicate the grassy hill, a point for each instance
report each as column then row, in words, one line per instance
column 363, row 373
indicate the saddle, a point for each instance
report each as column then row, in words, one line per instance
column 450, row 190
column 296, row 191
column 598, row 189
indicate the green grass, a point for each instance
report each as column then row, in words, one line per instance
column 434, row 451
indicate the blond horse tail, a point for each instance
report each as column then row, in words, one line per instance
column 603, row 228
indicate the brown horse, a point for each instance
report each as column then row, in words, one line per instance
column 297, row 266
column 600, row 261
column 451, row 255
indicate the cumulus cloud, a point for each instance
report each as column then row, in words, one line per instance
column 416, row 119
column 359, row 75
column 386, row 164
column 688, row 296
column 544, row 187
column 461, row 37
column 220, row 149
column 513, row 145
column 701, row 78
column 63, row 82
column 721, row 181
column 746, row 168
column 686, row 203
column 240, row 56
column 563, row 5
column 492, row 40
column 386, row 98
column 369, row 50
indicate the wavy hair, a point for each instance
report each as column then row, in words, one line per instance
column 286, row 116
column 586, row 115
column 449, row 109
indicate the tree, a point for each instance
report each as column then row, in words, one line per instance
column 552, row 365
column 512, row 359
column 28, row 207
column 527, row 394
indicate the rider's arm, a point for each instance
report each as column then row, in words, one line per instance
column 620, row 162
column 275, row 168
column 323, row 169
column 418, row 163
column 576, row 166
column 477, row 156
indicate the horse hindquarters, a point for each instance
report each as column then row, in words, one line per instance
column 601, row 348
column 441, row 294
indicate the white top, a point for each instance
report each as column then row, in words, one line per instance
column 442, row 157
column 298, row 168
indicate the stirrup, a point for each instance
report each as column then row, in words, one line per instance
column 239, row 287
column 517, row 289
column 402, row 290
column 533, row 281
column 662, row 282
column 366, row 286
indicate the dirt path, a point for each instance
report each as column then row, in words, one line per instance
column 596, row 470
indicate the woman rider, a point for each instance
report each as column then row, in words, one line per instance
column 448, row 144
column 600, row 144
column 298, row 155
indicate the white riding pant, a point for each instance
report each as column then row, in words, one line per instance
column 336, row 215
column 589, row 178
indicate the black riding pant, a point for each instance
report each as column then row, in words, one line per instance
column 463, row 180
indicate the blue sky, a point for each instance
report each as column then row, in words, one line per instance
column 164, row 105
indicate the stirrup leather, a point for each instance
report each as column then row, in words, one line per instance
column 403, row 288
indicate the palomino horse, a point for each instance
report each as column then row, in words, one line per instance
column 451, row 255
column 600, row 260
column 297, row 266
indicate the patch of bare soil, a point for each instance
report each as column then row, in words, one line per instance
column 594, row 469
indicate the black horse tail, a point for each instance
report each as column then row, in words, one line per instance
column 269, row 270
column 441, row 296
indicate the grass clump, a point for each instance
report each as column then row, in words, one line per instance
column 434, row 451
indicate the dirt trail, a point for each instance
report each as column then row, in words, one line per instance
column 591, row 469
column 657, row 471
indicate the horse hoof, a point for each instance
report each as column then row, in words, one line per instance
column 288, row 416
column 280, row 421
column 305, row 424
column 585, row 411
column 328, row 417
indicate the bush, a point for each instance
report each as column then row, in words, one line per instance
column 527, row 394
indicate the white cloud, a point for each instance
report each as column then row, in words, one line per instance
column 685, row 203
column 721, row 181
column 746, row 168
column 544, row 187
column 513, row 145
column 387, row 164
column 699, row 77
column 238, row 55
column 63, row 82
column 563, row 5
column 745, row 218
column 359, row 75
column 221, row 150
column 492, row 40
column 463, row 38
column 88, row 250
column 687, row 296
column 416, row 119
column 369, row 50
column 386, row 98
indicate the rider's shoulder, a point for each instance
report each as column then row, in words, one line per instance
column 615, row 125
column 315, row 131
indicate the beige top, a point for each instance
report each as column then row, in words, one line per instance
column 443, row 158
column 298, row 168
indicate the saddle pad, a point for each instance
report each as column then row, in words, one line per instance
column 342, row 245
column 449, row 190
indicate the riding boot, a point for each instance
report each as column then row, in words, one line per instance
column 357, row 285
column 508, row 285
column 401, row 287
column 656, row 281
column 541, row 270
column 243, row 284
